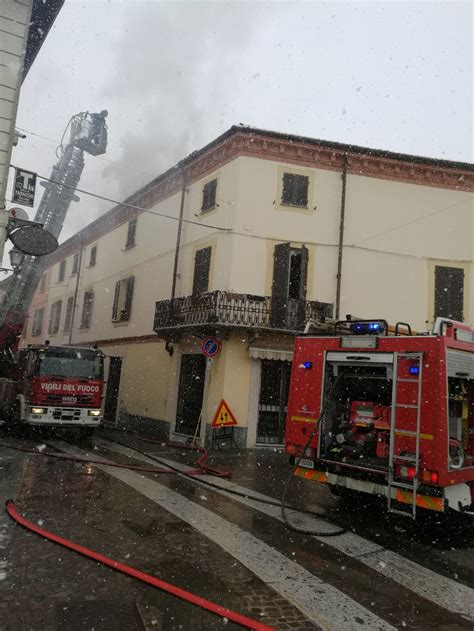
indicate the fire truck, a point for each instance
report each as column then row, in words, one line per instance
column 379, row 410
column 46, row 384
column 54, row 386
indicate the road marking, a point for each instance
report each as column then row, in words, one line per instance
column 320, row 602
column 442, row 591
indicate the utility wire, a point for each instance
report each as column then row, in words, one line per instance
column 133, row 206
column 408, row 223
column 257, row 236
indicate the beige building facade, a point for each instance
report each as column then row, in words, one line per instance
column 272, row 230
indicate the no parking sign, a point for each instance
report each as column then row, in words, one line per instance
column 210, row 347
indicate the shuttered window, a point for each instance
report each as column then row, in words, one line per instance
column 61, row 271
column 123, row 297
column 55, row 317
column 295, row 190
column 449, row 293
column 75, row 264
column 131, row 233
column 202, row 266
column 68, row 316
column 209, row 196
column 93, row 256
column 37, row 322
column 87, row 309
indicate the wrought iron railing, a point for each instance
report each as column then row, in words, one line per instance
column 222, row 307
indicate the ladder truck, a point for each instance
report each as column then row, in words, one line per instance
column 378, row 410
column 46, row 384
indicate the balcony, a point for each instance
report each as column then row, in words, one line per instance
column 222, row 309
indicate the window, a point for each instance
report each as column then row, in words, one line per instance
column 61, row 271
column 42, row 286
column 37, row 322
column 55, row 317
column 68, row 316
column 449, row 292
column 123, row 299
column 75, row 264
column 295, row 190
column 87, row 309
column 93, row 256
column 131, row 233
column 202, row 266
column 209, row 196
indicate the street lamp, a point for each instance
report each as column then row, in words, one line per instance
column 16, row 258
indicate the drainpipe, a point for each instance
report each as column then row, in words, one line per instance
column 341, row 234
column 168, row 345
column 76, row 293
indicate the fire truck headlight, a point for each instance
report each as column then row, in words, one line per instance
column 94, row 412
column 38, row 410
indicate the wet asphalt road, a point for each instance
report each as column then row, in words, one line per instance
column 391, row 573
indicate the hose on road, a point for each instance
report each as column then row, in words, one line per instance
column 104, row 463
column 183, row 594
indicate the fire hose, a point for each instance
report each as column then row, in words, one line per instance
column 183, row 594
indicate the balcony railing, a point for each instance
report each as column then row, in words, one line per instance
column 240, row 310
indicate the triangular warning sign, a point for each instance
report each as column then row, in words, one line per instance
column 223, row 416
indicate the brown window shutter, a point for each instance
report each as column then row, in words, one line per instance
column 128, row 299
column 116, row 301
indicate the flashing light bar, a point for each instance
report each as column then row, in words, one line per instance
column 367, row 328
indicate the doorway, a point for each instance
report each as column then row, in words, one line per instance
column 113, row 388
column 273, row 401
column 190, row 395
column 290, row 270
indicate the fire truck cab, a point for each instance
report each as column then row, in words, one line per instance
column 376, row 409
column 54, row 386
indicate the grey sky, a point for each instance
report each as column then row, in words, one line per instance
column 175, row 75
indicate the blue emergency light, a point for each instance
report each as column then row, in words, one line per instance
column 414, row 370
column 307, row 365
column 367, row 328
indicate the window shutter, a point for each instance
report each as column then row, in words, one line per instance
column 281, row 273
column 127, row 309
column 304, row 272
column 116, row 301
column 202, row 265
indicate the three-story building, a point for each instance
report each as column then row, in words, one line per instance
column 246, row 240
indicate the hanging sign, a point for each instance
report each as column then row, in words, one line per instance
column 24, row 187
column 210, row 347
column 223, row 416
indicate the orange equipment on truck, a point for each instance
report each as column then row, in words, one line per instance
column 373, row 410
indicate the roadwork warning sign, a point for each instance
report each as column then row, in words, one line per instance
column 223, row 417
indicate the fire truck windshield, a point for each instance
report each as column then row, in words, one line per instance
column 71, row 362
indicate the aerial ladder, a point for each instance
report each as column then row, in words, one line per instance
column 88, row 133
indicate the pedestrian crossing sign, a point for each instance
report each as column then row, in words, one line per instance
column 223, row 416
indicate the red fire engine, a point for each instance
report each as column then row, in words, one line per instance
column 54, row 386
column 374, row 410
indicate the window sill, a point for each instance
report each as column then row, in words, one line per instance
column 294, row 208
column 120, row 322
column 206, row 211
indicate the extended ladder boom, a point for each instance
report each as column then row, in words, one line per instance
column 88, row 133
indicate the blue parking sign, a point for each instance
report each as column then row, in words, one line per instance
column 210, row 346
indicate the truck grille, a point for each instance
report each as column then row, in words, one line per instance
column 71, row 414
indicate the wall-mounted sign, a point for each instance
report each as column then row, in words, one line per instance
column 210, row 347
column 24, row 187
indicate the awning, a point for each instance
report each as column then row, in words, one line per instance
column 270, row 353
